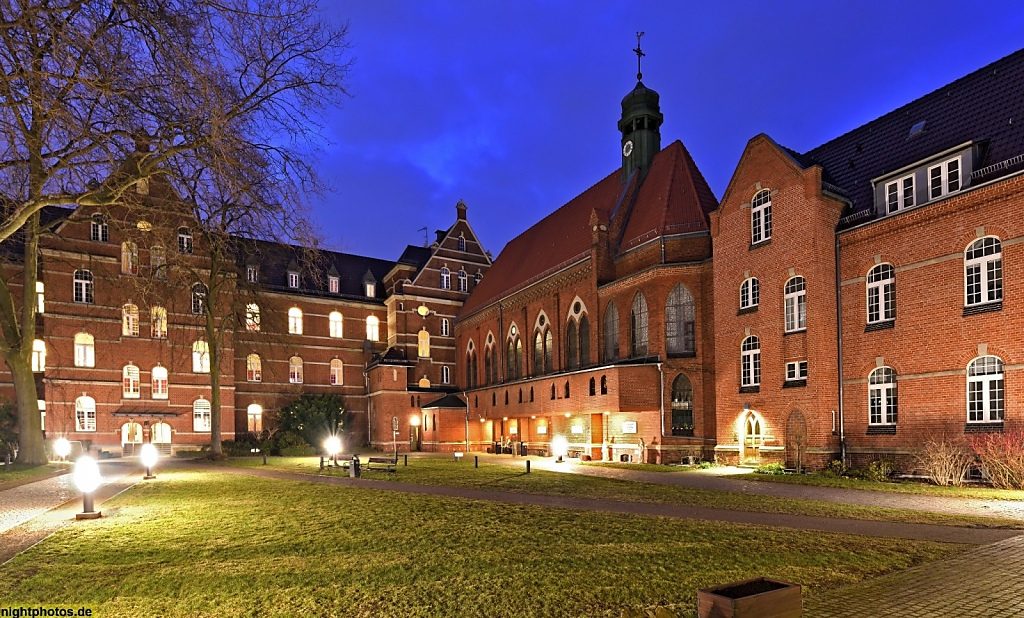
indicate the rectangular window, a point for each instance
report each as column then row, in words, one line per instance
column 899, row 194
column 371, row 289
column 293, row 280
column 159, row 388
column 40, row 297
column 944, row 178
column 796, row 371
column 252, row 274
column 333, row 284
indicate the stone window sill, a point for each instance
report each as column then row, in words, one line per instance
column 887, row 324
column 985, row 308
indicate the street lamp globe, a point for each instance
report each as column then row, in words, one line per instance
column 559, row 447
column 333, row 445
column 87, row 479
column 62, row 448
column 149, row 457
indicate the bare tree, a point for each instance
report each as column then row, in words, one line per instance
column 220, row 98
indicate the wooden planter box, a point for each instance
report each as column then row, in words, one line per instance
column 752, row 598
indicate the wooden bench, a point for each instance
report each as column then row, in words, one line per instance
column 381, row 464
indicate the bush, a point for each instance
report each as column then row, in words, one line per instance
column 773, row 469
column 835, row 468
column 704, row 465
column 1002, row 458
column 880, row 470
column 945, row 460
column 241, row 448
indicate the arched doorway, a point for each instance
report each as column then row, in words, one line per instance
column 750, row 445
column 131, row 439
column 796, row 440
column 162, row 438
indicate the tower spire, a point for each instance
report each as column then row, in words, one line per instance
column 639, row 54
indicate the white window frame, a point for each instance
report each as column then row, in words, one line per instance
column 337, row 372
column 158, row 261
column 796, row 304
column 40, row 297
column 83, row 287
column 371, row 289
column 99, row 231
column 750, row 361
column 129, row 320
column 881, row 293
column 446, row 327
column 254, row 417
column 945, row 187
column 295, row 370
column 38, row 356
column 293, row 280
column 201, row 415
column 159, row 382
column 199, row 293
column 131, row 382
column 252, row 317
column 85, row 414
column 446, row 374
column 761, row 217
column 988, row 274
column 463, row 280
column 295, row 321
column 750, row 293
column 200, row 357
column 252, row 274
column 333, row 284
column 158, row 323
column 336, row 324
column 129, row 258
column 796, row 370
column 896, row 194
column 462, row 243
column 85, row 350
column 372, row 328
column 184, row 241
column 990, row 388
column 253, row 368
column 883, row 397
column 446, row 278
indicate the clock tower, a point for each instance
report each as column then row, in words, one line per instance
column 640, row 123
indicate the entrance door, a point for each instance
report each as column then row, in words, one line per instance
column 415, row 439
column 597, row 437
column 751, row 439
column 131, row 439
column 162, row 438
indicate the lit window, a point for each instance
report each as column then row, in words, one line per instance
column 130, row 320
column 750, row 362
column 159, row 382
column 682, row 406
column 463, row 280
column 130, row 385
column 129, row 258
column 446, row 327
column 158, row 323
column 372, row 328
column 158, row 261
column 371, row 289
column 252, row 317
column 638, row 326
column 255, row 417
column 899, row 194
column 881, row 293
column 462, row 242
column 41, row 403
column 201, row 415
column 295, row 370
column 446, row 376
column 199, row 292
column 85, row 414
column 200, row 357
column 40, row 297
column 985, row 392
column 333, row 284
column 983, row 271
column 83, row 287
column 85, row 350
column 761, row 217
column 184, row 240
column 796, row 304
column 446, row 278
column 293, row 280
column 334, row 320
column 680, row 317
column 252, row 274
column 99, row 231
column 423, row 340
column 295, row 321
column 750, row 293
column 253, row 368
column 796, row 370
column 38, row 356
column 337, row 372
column 882, row 397
column 944, row 178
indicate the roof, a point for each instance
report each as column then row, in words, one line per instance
column 672, row 198
column 987, row 105
column 448, row 401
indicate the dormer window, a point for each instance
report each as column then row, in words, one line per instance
column 333, row 284
column 293, row 280
column 944, row 178
column 371, row 289
column 899, row 194
column 252, row 274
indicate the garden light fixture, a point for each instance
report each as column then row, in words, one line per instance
column 62, row 448
column 149, row 457
column 87, row 479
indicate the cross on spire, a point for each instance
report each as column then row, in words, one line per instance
column 639, row 54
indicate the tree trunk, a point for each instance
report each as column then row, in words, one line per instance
column 216, row 448
column 30, row 432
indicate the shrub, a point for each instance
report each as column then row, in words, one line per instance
column 880, row 470
column 945, row 460
column 773, row 469
column 1002, row 458
column 835, row 468
column 704, row 465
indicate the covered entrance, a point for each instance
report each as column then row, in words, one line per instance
column 131, row 439
column 751, row 438
column 162, row 438
column 140, row 423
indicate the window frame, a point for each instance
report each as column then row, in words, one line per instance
column 295, row 370
column 85, row 350
column 129, row 258
column 446, row 278
column 185, row 241
column 372, row 328
column 880, row 293
column 750, row 362
column 639, row 333
column 85, row 414
column 129, row 320
column 943, row 178
column 38, row 356
column 761, row 217
column 99, row 229
column 446, row 375
column 333, row 284
column 988, row 284
column 200, row 357
column 795, row 301
column 988, row 383
column 158, row 322
column 680, row 322
column 253, row 368
column 883, row 397
column 199, row 294
column 423, row 343
column 337, row 372
column 84, row 287
column 202, row 415
column 252, row 273
column 796, row 370
column 159, row 382
column 294, row 321
column 293, row 280
column 336, row 324
column 252, row 318
column 446, row 327
column 899, row 192
column 750, row 293
column 131, row 382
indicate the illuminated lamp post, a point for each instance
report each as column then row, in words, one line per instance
column 87, row 479
column 333, row 446
column 559, row 446
column 149, row 457
column 62, row 448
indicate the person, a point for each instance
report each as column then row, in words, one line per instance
column 643, row 451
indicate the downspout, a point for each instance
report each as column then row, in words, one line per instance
column 839, row 352
column 466, row 395
column 369, row 405
column 661, row 374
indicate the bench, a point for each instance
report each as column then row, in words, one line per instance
column 381, row 464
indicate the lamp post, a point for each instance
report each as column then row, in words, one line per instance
column 149, row 456
column 333, row 446
column 559, row 446
column 62, row 448
column 87, row 480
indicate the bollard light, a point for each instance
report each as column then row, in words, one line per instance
column 62, row 448
column 560, row 447
column 87, row 479
column 149, row 457
column 333, row 446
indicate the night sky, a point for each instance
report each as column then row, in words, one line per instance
column 513, row 106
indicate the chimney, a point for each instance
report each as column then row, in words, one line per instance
column 460, row 210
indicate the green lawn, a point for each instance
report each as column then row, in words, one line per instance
column 506, row 478
column 206, row 543
column 19, row 474
column 902, row 487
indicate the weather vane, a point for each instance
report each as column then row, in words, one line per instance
column 639, row 54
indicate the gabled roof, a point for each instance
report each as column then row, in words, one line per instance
column 448, row 401
column 987, row 105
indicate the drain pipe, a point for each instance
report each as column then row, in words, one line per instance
column 839, row 351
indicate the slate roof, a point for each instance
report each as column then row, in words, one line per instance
column 448, row 401
column 673, row 198
column 987, row 105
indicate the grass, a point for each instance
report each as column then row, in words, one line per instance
column 639, row 467
column 19, row 474
column 506, row 478
column 901, row 487
column 206, row 543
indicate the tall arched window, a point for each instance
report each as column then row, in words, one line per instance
column 295, row 321
column 85, row 350
column 584, row 333
column 463, row 280
column 253, row 368
column 549, row 352
column 750, row 362
column 295, row 370
column 750, row 293
column 611, row 333
column 604, row 385
column 85, row 414
column 881, row 294
column 680, row 316
column 158, row 323
column 83, row 291
column 571, row 345
column 519, row 358
column 446, row 327
column 882, row 399
column 446, row 374
column 423, row 341
column 38, row 356
column 158, row 261
column 255, row 417
column 446, row 278
column 638, row 326
column 130, row 382
column 514, row 358
column 199, row 293
column 99, row 231
column 129, row 258
column 470, row 368
column 200, row 357
column 682, row 406
column 252, row 317
column 986, row 398
column 538, row 353
column 201, row 415
column 983, row 271
column 462, row 243
column 337, row 372
column 761, row 217
column 372, row 328
column 796, row 304
column 334, row 320
column 130, row 320
column 159, row 382
column 488, row 361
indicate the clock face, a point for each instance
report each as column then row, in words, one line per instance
column 627, row 148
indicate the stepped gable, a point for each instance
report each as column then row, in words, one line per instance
column 674, row 198
column 987, row 104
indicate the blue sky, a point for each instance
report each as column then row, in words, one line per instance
column 512, row 106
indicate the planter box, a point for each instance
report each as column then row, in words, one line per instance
column 752, row 598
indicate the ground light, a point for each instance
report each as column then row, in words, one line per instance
column 62, row 448
column 560, row 447
column 149, row 457
column 333, row 446
column 87, row 480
